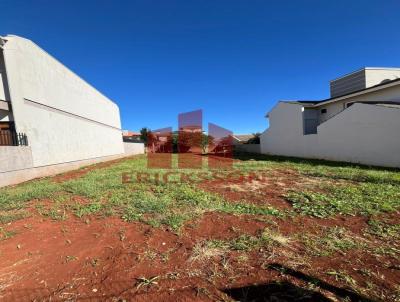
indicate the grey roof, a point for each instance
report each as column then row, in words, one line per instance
column 313, row 103
column 243, row 137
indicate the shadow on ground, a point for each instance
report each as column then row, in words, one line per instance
column 286, row 291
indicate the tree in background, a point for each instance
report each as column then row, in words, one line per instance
column 206, row 140
column 144, row 135
column 186, row 140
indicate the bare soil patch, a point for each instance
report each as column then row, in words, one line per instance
column 104, row 259
column 214, row 257
column 266, row 187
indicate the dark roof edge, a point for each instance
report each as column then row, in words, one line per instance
column 344, row 95
column 358, row 91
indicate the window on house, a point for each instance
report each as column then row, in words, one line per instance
column 323, row 111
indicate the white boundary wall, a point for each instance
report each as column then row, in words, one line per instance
column 20, row 167
column 365, row 134
column 248, row 148
column 133, row 148
column 64, row 117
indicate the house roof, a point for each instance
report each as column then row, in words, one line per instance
column 361, row 91
column 243, row 137
column 310, row 103
column 130, row 133
column 364, row 68
column 348, row 95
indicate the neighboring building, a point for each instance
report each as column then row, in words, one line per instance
column 191, row 129
column 239, row 139
column 64, row 119
column 245, row 143
column 360, row 123
column 131, row 136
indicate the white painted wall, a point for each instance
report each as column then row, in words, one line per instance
column 391, row 94
column 375, row 76
column 2, row 93
column 64, row 117
column 133, row 148
column 15, row 158
column 285, row 134
column 366, row 134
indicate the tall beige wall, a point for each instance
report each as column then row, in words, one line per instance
column 64, row 117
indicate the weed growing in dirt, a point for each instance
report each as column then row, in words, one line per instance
column 383, row 230
column 147, row 282
column 12, row 198
column 370, row 191
column 342, row 276
column 331, row 240
column 246, row 243
column 12, row 215
column 362, row 199
column 5, row 234
column 321, row 168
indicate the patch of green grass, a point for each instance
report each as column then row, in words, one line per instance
column 386, row 250
column 55, row 213
column 81, row 210
column 321, row 168
column 12, row 198
column 353, row 173
column 332, row 240
column 362, row 199
column 5, row 234
column 383, row 230
column 175, row 221
column 9, row 216
column 370, row 191
column 342, row 276
column 246, row 208
column 247, row 243
column 172, row 205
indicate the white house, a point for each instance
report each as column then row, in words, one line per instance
column 360, row 123
column 62, row 120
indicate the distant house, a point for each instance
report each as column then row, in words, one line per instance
column 359, row 123
column 191, row 129
column 238, row 139
column 131, row 136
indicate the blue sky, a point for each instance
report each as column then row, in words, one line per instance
column 233, row 59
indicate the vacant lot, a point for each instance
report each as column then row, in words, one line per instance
column 270, row 229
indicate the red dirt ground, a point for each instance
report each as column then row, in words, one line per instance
column 260, row 187
column 102, row 259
